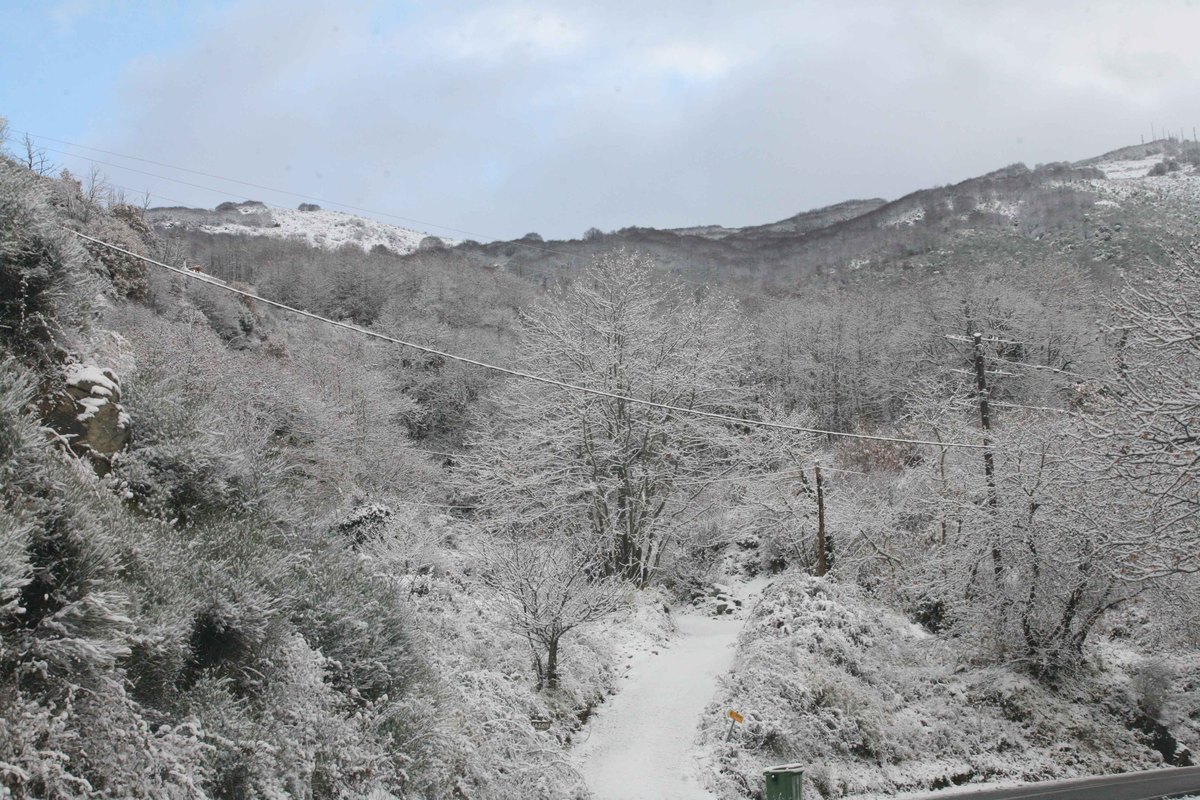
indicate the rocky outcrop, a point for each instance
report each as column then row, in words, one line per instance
column 86, row 411
column 716, row 599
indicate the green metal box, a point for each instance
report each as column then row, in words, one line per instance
column 785, row 782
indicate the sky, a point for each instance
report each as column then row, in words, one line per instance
column 492, row 120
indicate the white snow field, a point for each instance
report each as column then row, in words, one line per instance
column 328, row 229
column 319, row 228
column 641, row 743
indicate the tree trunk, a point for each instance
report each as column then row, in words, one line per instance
column 538, row 666
column 552, row 664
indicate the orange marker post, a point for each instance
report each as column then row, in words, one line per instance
column 734, row 719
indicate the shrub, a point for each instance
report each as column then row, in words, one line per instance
column 38, row 269
column 1152, row 684
column 1163, row 167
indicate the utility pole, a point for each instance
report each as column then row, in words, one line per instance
column 985, row 417
column 821, row 565
column 989, row 463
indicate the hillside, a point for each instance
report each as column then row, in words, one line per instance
column 1047, row 210
column 1050, row 209
column 309, row 224
column 245, row 553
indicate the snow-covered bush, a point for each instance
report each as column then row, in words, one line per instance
column 243, row 651
column 43, row 275
column 872, row 704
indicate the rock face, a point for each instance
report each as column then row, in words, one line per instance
column 87, row 412
column 716, row 599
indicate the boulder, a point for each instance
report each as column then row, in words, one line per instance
column 86, row 410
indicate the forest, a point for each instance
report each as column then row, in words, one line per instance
column 249, row 554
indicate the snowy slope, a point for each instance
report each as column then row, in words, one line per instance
column 641, row 744
column 319, row 228
column 1128, row 180
column 1124, row 169
column 875, row 706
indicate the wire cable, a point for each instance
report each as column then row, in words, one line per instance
column 573, row 258
column 203, row 278
column 229, row 180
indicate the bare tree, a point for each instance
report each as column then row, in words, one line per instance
column 553, row 587
column 1150, row 428
column 95, row 187
column 630, row 475
column 35, row 157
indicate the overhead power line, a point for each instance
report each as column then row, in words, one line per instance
column 203, row 174
column 226, row 193
column 1045, row 368
column 1020, row 406
column 766, row 476
column 573, row 258
column 997, row 339
column 203, row 278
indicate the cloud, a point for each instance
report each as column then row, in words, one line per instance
column 688, row 60
column 504, row 32
column 556, row 116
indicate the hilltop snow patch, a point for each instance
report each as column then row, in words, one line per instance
column 317, row 227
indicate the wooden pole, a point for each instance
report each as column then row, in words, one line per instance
column 985, row 417
column 821, row 565
column 989, row 463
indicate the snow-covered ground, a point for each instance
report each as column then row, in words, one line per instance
column 1005, row 208
column 876, row 706
column 330, row 229
column 1125, row 169
column 641, row 744
column 909, row 217
column 1176, row 187
column 319, row 228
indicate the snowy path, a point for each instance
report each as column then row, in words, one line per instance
column 640, row 742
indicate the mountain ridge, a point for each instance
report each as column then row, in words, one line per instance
column 858, row 236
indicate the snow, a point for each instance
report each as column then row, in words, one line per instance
column 322, row 228
column 910, row 217
column 1176, row 187
column 1127, row 169
column 641, row 744
column 1004, row 208
column 101, row 384
column 94, row 375
column 876, row 706
column 91, row 406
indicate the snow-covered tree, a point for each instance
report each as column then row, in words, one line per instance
column 552, row 587
column 629, row 475
column 1150, row 429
